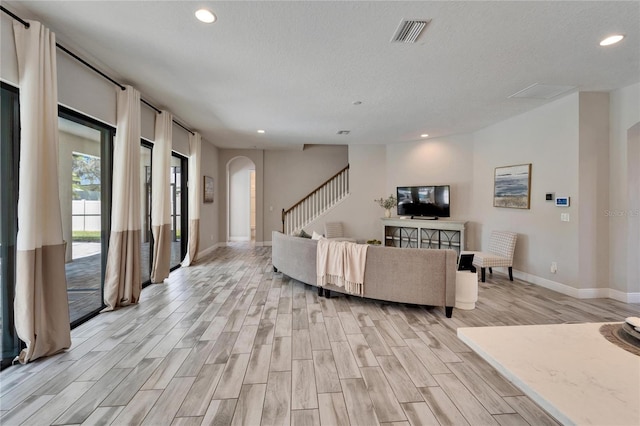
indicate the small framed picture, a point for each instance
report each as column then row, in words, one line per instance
column 512, row 186
column 207, row 195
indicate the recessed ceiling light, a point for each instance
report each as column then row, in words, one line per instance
column 424, row 135
column 205, row 15
column 261, row 131
column 611, row 40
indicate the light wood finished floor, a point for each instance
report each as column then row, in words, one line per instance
column 230, row 342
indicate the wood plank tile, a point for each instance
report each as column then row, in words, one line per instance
column 510, row 420
column 361, row 350
column 283, row 325
column 468, row 405
column 319, row 338
column 265, row 333
column 196, row 359
column 169, row 402
column 25, row 409
column 349, row 323
column 402, row 386
column 501, row 385
column 442, row 407
column 258, row 368
column 442, row 352
column 389, row 334
column 314, row 312
column 168, row 342
column 58, row 404
column 299, row 320
column 220, row 412
column 97, row 370
column 419, row 414
column 222, row 348
column 254, row 314
column 127, row 388
column 334, row 329
column 375, row 341
column 135, row 412
column 305, row 418
column 415, row 369
column 167, row 369
column 301, row 344
column 531, row 412
column 332, row 408
column 327, row 379
column 231, row 381
column 384, row 400
column 358, row 403
column 249, row 407
column 277, row 403
column 187, row 421
column 89, row 401
column 244, row 342
column 345, row 362
column 103, row 416
column 428, row 358
column 197, row 400
column 281, row 354
column 480, row 389
column 215, row 328
column 303, row 385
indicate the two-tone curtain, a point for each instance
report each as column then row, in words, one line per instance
column 160, row 197
column 194, row 198
column 40, row 304
column 122, row 281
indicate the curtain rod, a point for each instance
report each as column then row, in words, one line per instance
column 91, row 67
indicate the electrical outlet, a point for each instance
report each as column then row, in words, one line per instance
column 564, row 217
column 554, row 267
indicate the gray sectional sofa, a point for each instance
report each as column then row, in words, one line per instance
column 404, row 275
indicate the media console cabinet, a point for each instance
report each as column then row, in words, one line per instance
column 424, row 233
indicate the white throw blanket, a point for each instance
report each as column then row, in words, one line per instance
column 341, row 263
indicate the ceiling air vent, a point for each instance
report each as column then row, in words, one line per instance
column 343, row 132
column 409, row 30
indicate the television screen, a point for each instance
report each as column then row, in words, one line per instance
column 431, row 201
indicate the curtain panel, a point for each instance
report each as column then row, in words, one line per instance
column 161, row 197
column 195, row 189
column 122, row 282
column 40, row 304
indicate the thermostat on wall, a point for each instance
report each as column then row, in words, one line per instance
column 562, row 201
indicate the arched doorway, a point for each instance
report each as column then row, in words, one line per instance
column 241, row 202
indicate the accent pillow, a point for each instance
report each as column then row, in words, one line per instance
column 303, row 234
column 316, row 236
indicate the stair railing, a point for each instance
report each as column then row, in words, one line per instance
column 318, row 201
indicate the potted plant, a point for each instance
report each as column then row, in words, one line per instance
column 387, row 204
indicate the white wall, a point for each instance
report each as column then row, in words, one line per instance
column 209, row 213
column 547, row 137
column 240, row 199
column 624, row 268
column 445, row 161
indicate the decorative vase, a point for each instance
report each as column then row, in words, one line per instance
column 387, row 213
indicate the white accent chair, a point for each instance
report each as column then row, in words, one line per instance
column 499, row 254
column 334, row 231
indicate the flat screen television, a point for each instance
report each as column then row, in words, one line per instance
column 429, row 201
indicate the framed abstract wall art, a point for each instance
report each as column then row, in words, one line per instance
column 512, row 186
column 207, row 190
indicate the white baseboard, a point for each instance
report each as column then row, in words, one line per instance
column 266, row 243
column 578, row 293
column 239, row 239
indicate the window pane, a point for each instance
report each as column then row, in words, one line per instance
column 80, row 174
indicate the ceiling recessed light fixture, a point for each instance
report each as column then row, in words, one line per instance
column 611, row 40
column 424, row 135
column 205, row 15
column 261, row 131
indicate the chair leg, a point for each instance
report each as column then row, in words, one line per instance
column 320, row 291
column 510, row 273
column 327, row 293
column 482, row 273
column 448, row 310
column 275, row 269
column 491, row 270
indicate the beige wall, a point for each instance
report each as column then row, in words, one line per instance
column 548, row 138
column 624, row 268
column 289, row 175
column 209, row 213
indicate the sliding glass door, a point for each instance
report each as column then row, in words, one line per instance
column 9, row 161
column 179, row 234
column 85, row 196
column 146, row 243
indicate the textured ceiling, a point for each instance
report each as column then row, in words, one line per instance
column 295, row 68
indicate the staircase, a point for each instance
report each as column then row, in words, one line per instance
column 320, row 200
